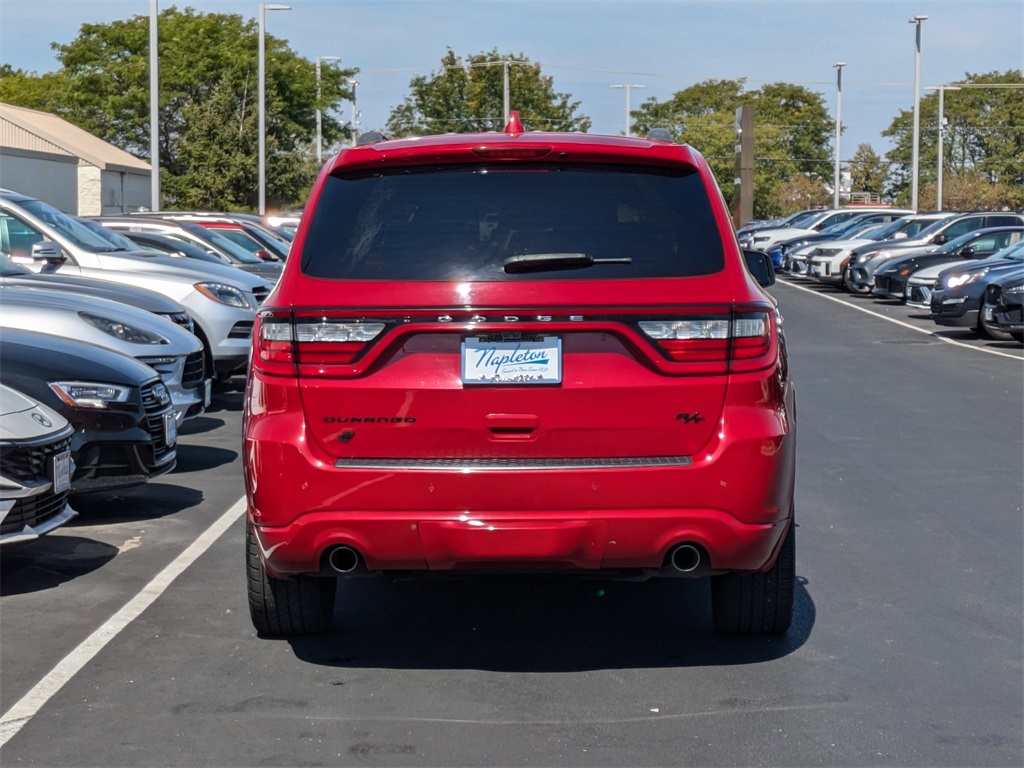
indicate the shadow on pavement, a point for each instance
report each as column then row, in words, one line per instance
column 146, row 502
column 49, row 561
column 514, row 624
column 197, row 458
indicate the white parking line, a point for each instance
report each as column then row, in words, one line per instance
column 29, row 705
column 897, row 322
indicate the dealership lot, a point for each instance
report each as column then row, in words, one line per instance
column 906, row 647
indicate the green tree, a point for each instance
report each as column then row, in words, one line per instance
column 984, row 135
column 208, row 94
column 792, row 131
column 465, row 97
column 868, row 171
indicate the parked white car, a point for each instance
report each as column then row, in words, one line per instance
column 35, row 476
column 762, row 240
column 173, row 352
column 827, row 262
column 222, row 300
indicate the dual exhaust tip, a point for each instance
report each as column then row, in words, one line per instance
column 683, row 558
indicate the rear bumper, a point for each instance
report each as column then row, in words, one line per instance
column 733, row 500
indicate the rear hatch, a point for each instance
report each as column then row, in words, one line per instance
column 512, row 314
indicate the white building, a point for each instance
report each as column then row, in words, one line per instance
column 46, row 157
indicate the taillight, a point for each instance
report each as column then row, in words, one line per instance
column 309, row 346
column 737, row 342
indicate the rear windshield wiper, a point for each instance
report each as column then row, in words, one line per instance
column 542, row 262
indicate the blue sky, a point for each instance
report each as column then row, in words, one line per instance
column 587, row 46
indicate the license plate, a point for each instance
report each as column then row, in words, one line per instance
column 170, row 428
column 61, row 472
column 207, row 392
column 529, row 360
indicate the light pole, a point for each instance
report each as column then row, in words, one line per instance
column 839, row 124
column 915, row 161
column 629, row 87
column 942, row 130
column 154, row 111
column 262, row 55
column 319, row 114
column 355, row 113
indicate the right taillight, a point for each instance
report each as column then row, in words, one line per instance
column 736, row 342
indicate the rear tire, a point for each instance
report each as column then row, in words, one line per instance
column 301, row 605
column 757, row 603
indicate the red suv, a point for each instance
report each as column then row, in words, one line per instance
column 519, row 352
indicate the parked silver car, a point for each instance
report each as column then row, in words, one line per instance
column 142, row 298
column 222, row 300
column 173, row 352
column 35, row 476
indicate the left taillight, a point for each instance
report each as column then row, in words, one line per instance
column 289, row 345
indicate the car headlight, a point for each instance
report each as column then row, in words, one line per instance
column 122, row 331
column 864, row 257
column 955, row 281
column 224, row 294
column 88, row 394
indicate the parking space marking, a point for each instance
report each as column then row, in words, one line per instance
column 897, row 322
column 29, row 705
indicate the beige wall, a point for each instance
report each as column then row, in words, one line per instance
column 50, row 178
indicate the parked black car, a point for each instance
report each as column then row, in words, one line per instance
column 891, row 278
column 958, row 292
column 1004, row 300
column 124, row 427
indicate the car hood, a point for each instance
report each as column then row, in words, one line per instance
column 174, row 267
column 58, row 313
column 43, row 357
column 142, row 298
column 22, row 418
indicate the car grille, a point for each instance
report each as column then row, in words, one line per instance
column 194, row 371
column 1014, row 315
column 241, row 330
column 33, row 511
column 261, row 294
column 30, row 464
column 155, row 411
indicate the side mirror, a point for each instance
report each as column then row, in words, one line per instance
column 266, row 255
column 48, row 255
column 967, row 250
column 760, row 265
column 900, row 236
column 940, row 239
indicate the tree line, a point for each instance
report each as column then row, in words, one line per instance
column 208, row 118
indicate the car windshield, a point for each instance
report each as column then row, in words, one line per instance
column 234, row 250
column 114, row 238
column 1014, row 252
column 71, row 228
column 498, row 223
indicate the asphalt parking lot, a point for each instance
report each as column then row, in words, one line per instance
column 126, row 639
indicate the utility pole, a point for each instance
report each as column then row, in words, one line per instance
column 743, row 189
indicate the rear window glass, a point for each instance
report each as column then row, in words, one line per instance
column 462, row 223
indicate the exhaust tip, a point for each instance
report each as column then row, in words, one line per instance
column 685, row 558
column 343, row 559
